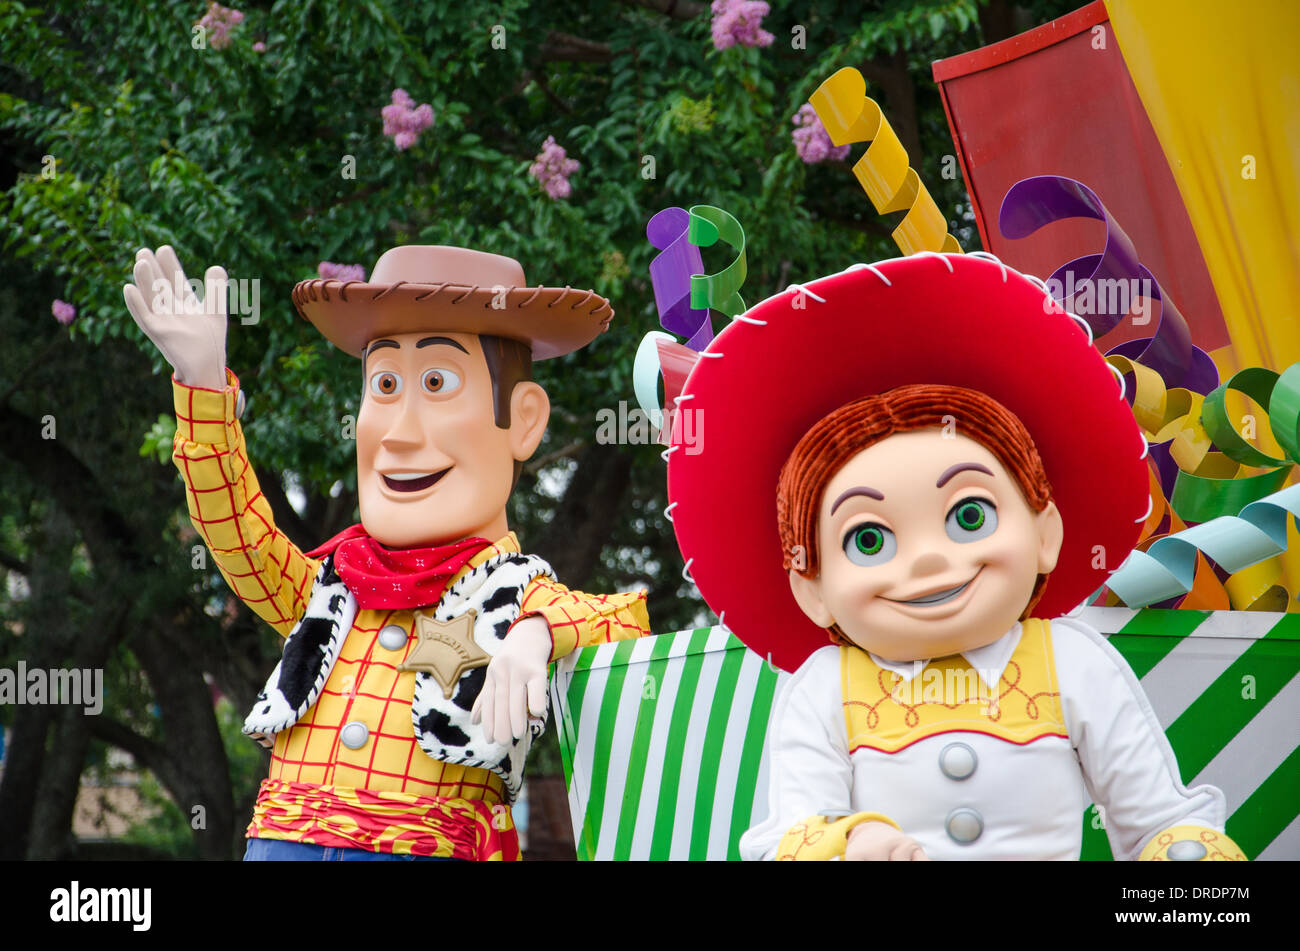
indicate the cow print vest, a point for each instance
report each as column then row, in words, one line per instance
column 494, row 591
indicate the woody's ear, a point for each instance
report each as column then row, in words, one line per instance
column 808, row 595
column 530, row 410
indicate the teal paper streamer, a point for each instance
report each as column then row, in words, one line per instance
column 1233, row 542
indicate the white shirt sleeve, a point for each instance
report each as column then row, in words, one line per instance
column 809, row 768
column 1128, row 766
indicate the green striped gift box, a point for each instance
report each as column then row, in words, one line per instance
column 663, row 738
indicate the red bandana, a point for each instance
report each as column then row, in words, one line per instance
column 399, row 579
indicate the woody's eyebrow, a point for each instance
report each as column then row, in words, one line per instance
column 378, row 345
column 433, row 341
column 960, row 467
column 856, row 491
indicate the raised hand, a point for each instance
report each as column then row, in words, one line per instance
column 191, row 334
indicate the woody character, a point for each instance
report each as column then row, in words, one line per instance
column 921, row 466
column 413, row 678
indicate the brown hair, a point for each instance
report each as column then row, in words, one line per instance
column 508, row 362
column 838, row 437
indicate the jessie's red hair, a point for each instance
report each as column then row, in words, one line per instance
column 838, row 437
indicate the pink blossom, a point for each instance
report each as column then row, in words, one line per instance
column 811, row 139
column 739, row 23
column 259, row 47
column 63, row 311
column 552, row 168
column 404, row 121
column 341, row 272
column 217, row 22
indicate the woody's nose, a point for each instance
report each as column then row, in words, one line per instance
column 406, row 431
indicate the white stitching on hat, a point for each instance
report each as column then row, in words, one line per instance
column 800, row 287
column 1150, row 505
column 868, row 267
column 987, row 256
column 935, row 254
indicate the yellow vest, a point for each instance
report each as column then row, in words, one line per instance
column 882, row 712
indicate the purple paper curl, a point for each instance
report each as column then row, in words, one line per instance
column 670, row 276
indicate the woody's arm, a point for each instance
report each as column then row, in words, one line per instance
column 263, row 567
column 576, row 619
column 226, row 506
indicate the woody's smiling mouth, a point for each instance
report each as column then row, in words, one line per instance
column 412, row 481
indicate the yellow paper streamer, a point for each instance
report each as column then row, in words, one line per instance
column 884, row 172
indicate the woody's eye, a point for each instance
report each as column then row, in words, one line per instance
column 869, row 544
column 441, row 381
column 385, row 383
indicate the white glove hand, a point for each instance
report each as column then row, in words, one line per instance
column 515, row 685
column 191, row 334
column 881, row 842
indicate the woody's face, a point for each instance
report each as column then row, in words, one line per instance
column 432, row 465
column 926, row 547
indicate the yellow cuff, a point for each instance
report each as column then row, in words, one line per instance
column 1191, row 844
column 580, row 620
column 819, row 839
column 206, row 416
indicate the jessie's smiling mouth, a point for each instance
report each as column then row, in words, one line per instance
column 938, row 597
column 412, row 481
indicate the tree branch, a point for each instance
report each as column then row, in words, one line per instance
column 677, row 9
column 572, row 449
column 548, row 91
column 565, row 47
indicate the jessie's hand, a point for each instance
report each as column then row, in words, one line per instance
column 515, row 686
column 191, row 334
column 881, row 842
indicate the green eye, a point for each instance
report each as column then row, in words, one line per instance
column 869, row 544
column 971, row 519
column 970, row 515
column 869, row 539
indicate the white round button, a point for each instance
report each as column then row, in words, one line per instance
column 957, row 761
column 392, row 637
column 964, row 825
column 1187, row 851
column 354, row 735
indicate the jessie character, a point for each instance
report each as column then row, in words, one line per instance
column 414, row 671
column 916, row 467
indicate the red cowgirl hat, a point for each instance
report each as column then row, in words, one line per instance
column 960, row 320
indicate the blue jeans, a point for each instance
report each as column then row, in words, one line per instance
column 276, row 850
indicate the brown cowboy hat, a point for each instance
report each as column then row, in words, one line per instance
column 433, row 287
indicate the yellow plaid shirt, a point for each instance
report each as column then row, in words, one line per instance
column 273, row 577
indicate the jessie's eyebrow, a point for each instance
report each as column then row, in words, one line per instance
column 960, row 467
column 855, row 491
column 432, row 341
